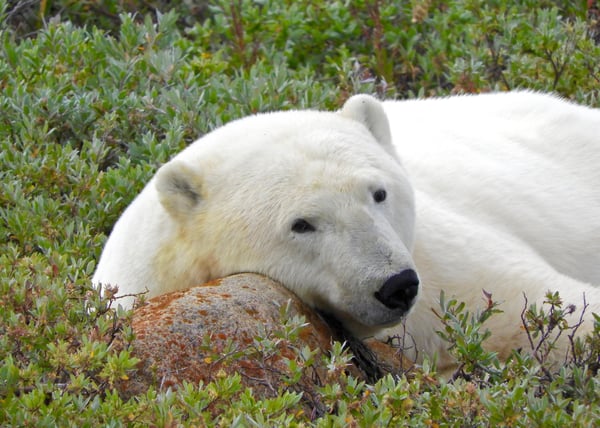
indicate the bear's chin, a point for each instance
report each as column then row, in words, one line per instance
column 345, row 325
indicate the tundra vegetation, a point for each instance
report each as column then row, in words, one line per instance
column 96, row 94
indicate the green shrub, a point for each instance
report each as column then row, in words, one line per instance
column 93, row 100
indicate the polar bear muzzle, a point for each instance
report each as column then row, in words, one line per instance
column 400, row 290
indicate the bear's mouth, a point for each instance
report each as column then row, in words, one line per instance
column 367, row 320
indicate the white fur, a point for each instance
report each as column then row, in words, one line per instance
column 507, row 200
column 227, row 204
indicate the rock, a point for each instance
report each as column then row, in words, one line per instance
column 207, row 331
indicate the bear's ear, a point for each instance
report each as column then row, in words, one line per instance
column 179, row 188
column 369, row 111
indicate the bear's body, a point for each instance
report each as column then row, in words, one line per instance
column 507, row 200
column 507, row 189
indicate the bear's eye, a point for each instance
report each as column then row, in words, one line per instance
column 379, row 195
column 302, row 226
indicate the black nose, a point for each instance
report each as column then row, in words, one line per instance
column 399, row 290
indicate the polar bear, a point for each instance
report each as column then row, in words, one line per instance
column 315, row 200
column 369, row 222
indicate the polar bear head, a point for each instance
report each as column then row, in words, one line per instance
column 315, row 200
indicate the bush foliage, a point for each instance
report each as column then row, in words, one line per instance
column 96, row 94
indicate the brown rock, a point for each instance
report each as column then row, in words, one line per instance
column 207, row 331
